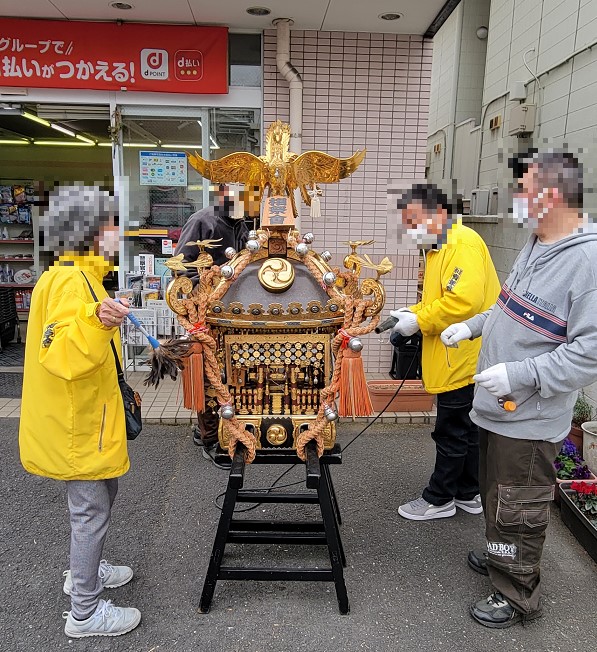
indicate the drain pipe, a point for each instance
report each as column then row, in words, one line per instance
column 292, row 76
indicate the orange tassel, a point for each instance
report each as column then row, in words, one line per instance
column 193, row 382
column 354, row 400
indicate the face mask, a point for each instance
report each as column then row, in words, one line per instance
column 421, row 237
column 520, row 212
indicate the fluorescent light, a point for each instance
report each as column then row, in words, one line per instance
column 85, row 139
column 64, row 130
column 62, row 143
column 145, row 145
column 197, row 147
column 32, row 116
column 14, row 142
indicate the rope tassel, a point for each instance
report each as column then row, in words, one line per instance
column 354, row 399
column 193, row 383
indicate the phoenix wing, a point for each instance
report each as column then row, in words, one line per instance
column 318, row 167
column 241, row 167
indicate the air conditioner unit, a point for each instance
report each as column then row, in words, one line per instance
column 522, row 119
column 437, row 148
column 479, row 201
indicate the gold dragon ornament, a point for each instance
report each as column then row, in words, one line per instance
column 280, row 171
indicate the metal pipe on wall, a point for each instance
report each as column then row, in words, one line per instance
column 292, row 76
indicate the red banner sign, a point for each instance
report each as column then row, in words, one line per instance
column 108, row 56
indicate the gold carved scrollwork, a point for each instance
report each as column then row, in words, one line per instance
column 181, row 285
column 371, row 286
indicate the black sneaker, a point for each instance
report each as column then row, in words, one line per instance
column 477, row 560
column 209, row 453
column 196, row 436
column 496, row 612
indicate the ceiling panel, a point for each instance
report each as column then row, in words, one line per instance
column 307, row 14
column 30, row 9
column 329, row 15
column 417, row 15
column 154, row 11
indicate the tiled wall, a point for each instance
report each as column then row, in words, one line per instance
column 360, row 90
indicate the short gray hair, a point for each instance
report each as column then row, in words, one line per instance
column 74, row 217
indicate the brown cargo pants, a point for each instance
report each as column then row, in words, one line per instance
column 517, row 479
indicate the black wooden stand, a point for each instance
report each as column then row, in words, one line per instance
column 325, row 532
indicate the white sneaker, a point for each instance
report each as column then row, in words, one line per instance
column 421, row 510
column 474, row 506
column 108, row 620
column 111, row 576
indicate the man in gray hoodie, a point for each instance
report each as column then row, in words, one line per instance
column 539, row 347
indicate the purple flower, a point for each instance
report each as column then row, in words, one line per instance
column 568, row 448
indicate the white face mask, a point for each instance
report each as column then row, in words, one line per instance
column 520, row 212
column 421, row 237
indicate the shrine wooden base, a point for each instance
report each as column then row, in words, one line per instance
column 324, row 532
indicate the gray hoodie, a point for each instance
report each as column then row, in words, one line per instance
column 544, row 327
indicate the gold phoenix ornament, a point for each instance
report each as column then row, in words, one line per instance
column 280, row 171
column 204, row 259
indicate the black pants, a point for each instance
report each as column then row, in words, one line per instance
column 209, row 420
column 456, row 473
column 517, row 486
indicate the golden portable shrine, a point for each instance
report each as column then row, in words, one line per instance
column 277, row 328
column 274, row 344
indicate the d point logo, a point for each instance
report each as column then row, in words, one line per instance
column 154, row 64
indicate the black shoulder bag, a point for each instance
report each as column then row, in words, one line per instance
column 130, row 398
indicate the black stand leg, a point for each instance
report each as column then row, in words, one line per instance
column 327, row 478
column 235, row 482
column 333, row 494
column 322, row 533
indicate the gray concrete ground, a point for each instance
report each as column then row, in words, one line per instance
column 408, row 582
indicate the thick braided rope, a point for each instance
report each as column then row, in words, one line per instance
column 353, row 316
column 194, row 322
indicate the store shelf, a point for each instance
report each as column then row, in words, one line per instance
column 16, row 260
column 25, row 311
column 18, row 241
column 17, row 285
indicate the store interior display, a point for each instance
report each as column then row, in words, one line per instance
column 43, row 145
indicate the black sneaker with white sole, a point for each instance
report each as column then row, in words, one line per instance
column 477, row 560
column 210, row 452
column 497, row 613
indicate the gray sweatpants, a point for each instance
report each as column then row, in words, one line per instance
column 89, row 503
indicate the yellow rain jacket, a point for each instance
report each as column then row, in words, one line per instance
column 460, row 281
column 72, row 416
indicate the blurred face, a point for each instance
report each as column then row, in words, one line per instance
column 532, row 202
column 225, row 200
column 251, row 202
column 424, row 227
column 107, row 242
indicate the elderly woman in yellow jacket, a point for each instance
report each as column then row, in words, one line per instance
column 72, row 417
column 460, row 280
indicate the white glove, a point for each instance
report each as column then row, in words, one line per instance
column 454, row 334
column 407, row 322
column 495, row 380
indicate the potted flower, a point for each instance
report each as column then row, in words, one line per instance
column 570, row 465
column 582, row 413
column 579, row 513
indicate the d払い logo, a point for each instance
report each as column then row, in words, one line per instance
column 188, row 65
